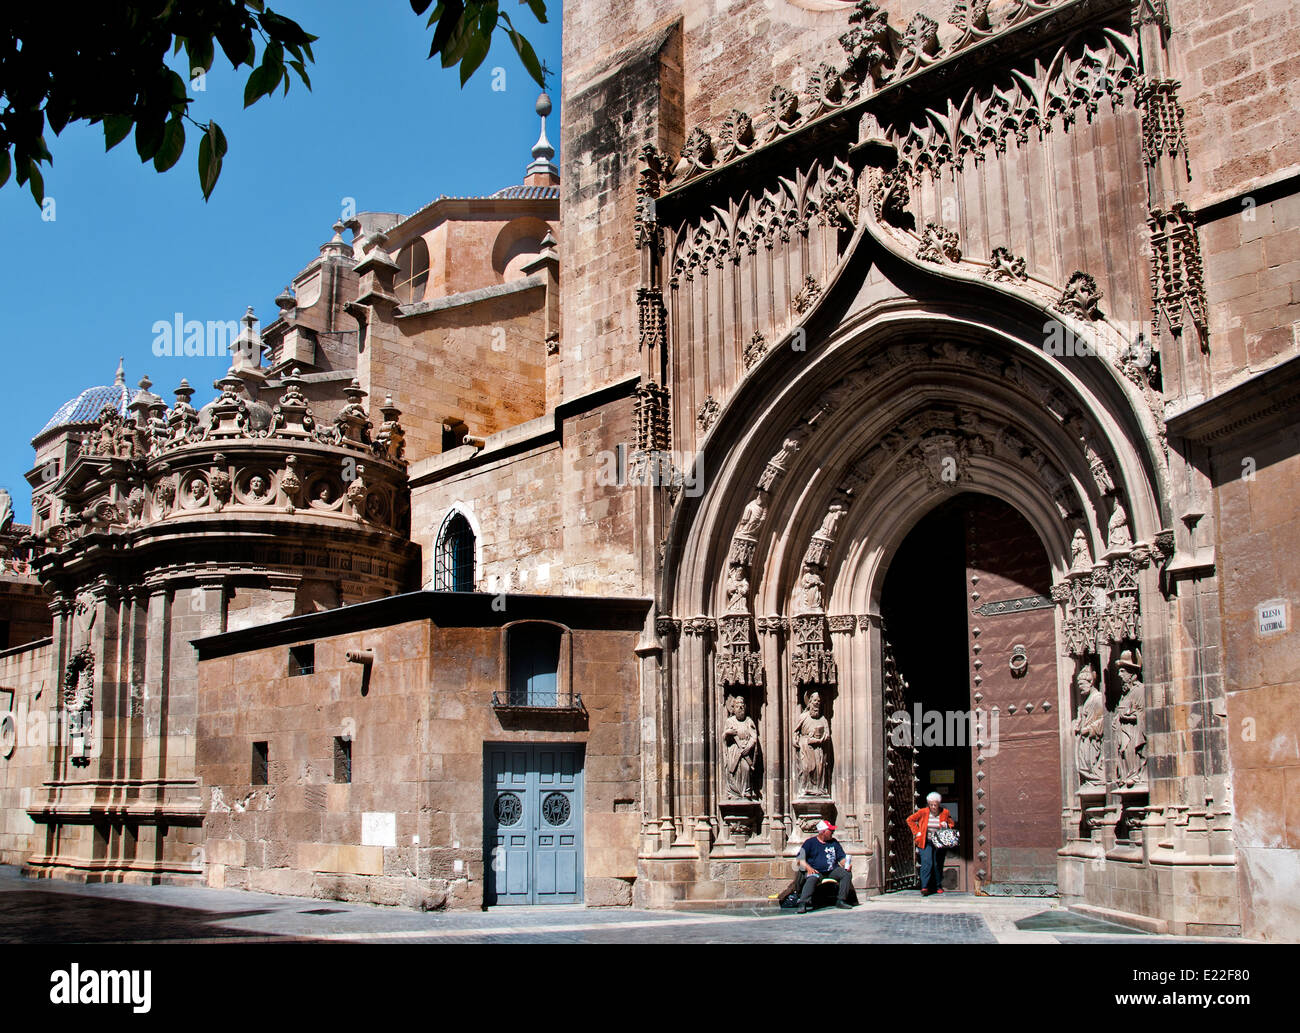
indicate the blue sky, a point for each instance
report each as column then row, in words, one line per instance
column 128, row 246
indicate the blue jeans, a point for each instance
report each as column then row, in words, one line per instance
column 931, row 857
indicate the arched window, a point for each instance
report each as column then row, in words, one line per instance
column 413, row 271
column 453, row 563
column 534, row 665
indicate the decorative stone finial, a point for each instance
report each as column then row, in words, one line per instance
column 120, row 378
column 542, row 166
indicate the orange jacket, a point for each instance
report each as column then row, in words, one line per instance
column 919, row 823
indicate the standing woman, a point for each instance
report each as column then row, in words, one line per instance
column 924, row 823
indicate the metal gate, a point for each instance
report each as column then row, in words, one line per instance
column 900, row 778
column 533, row 823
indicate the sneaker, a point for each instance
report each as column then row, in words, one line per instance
column 926, row 893
column 803, row 908
column 938, row 891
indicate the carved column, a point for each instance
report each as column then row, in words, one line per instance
column 771, row 640
column 695, row 747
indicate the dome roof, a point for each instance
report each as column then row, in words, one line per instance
column 86, row 407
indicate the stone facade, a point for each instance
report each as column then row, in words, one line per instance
column 830, row 270
column 417, row 719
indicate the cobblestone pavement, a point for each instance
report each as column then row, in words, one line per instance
column 42, row 911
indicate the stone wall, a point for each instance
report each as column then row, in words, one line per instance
column 418, row 726
column 27, row 694
column 1259, row 526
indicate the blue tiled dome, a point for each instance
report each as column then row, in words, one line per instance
column 86, row 407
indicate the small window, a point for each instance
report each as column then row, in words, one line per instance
column 342, row 760
column 534, row 665
column 261, row 763
column 453, row 565
column 413, row 271
column 302, row 660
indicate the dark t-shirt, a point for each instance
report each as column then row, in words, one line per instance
column 823, row 856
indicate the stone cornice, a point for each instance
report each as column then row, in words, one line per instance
column 1260, row 404
column 444, row 609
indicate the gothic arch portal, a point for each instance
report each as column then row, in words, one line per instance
column 812, row 478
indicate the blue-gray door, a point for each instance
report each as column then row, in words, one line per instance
column 533, row 823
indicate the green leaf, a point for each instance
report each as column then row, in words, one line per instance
column 149, row 133
column 256, row 5
column 5, row 166
column 459, row 41
column 539, row 9
column 487, row 20
column 36, row 182
column 473, row 57
column 301, row 69
column 199, row 53
column 420, row 6
column 528, row 57
column 116, row 128
column 212, row 149
column 261, row 81
column 448, row 20
column 173, row 143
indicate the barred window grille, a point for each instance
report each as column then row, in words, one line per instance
column 534, row 665
column 454, row 559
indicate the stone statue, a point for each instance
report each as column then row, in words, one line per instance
column 6, row 511
column 737, row 590
column 1079, row 550
column 812, row 745
column 198, row 490
column 1089, row 728
column 1117, row 536
column 751, row 518
column 1130, row 723
column 810, row 593
column 257, row 487
column 831, row 522
column 740, row 749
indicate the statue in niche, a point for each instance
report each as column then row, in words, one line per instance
column 812, row 746
column 751, row 518
column 1089, row 728
column 1079, row 550
column 198, row 491
column 740, row 749
column 257, row 488
column 1130, row 722
column 737, row 589
column 810, row 591
column 1117, row 535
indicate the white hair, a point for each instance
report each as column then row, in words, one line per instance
column 933, row 797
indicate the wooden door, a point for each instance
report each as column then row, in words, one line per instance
column 1016, row 774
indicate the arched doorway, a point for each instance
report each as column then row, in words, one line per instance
column 968, row 612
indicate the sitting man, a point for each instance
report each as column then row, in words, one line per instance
column 824, row 858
